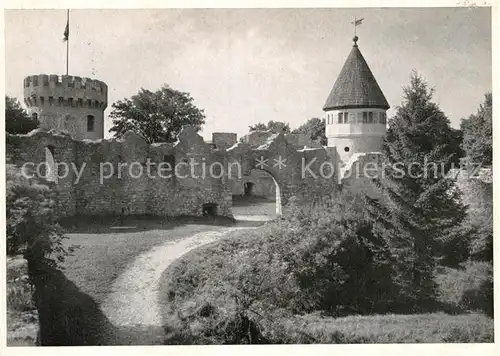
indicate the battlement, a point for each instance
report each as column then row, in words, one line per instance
column 43, row 89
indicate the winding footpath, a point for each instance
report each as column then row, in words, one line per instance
column 133, row 299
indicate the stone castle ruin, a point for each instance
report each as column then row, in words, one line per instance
column 207, row 175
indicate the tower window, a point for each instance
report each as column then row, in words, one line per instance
column 341, row 117
column 90, row 123
column 346, row 117
column 42, row 100
column 61, row 99
column 89, row 102
column 70, row 102
column 34, row 116
column 370, row 117
column 383, row 118
column 80, row 103
column 359, row 118
column 51, row 100
column 365, row 117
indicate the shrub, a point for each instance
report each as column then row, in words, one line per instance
column 321, row 257
column 469, row 288
column 32, row 228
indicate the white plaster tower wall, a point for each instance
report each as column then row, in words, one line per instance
column 355, row 130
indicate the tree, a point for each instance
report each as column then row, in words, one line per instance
column 315, row 128
column 17, row 120
column 478, row 134
column 421, row 206
column 157, row 116
column 274, row 126
column 32, row 227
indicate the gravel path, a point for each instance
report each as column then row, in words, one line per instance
column 133, row 297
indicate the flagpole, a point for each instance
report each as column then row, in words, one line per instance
column 67, row 44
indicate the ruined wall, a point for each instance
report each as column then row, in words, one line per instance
column 94, row 184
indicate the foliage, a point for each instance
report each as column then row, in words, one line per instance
column 468, row 288
column 479, row 221
column 317, row 257
column 294, row 280
column 315, row 128
column 421, row 206
column 157, row 116
column 17, row 120
column 274, row 126
column 478, row 134
column 32, row 228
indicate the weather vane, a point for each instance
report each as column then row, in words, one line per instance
column 356, row 23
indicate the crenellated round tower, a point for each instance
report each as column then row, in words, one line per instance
column 67, row 103
column 355, row 110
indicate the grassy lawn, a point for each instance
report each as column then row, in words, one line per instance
column 419, row 328
column 107, row 246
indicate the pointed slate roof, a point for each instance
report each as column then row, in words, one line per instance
column 355, row 86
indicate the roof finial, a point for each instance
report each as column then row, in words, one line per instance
column 355, row 39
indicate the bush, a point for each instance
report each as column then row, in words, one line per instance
column 321, row 257
column 32, row 228
column 469, row 288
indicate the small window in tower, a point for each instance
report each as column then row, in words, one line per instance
column 80, row 103
column 51, row 100
column 365, row 117
column 359, row 118
column 341, row 117
column 90, row 123
column 70, row 102
column 42, row 100
column 370, row 117
column 383, row 119
column 89, row 103
column 346, row 117
column 61, row 101
column 34, row 116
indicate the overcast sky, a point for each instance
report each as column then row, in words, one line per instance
column 244, row 66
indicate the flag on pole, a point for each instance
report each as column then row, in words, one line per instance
column 358, row 22
column 66, row 32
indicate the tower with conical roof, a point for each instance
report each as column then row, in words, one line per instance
column 355, row 110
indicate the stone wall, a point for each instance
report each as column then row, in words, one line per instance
column 95, row 185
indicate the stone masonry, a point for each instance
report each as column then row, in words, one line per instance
column 102, row 192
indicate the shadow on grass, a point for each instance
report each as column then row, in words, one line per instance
column 136, row 223
column 69, row 317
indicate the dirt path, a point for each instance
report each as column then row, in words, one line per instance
column 133, row 297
